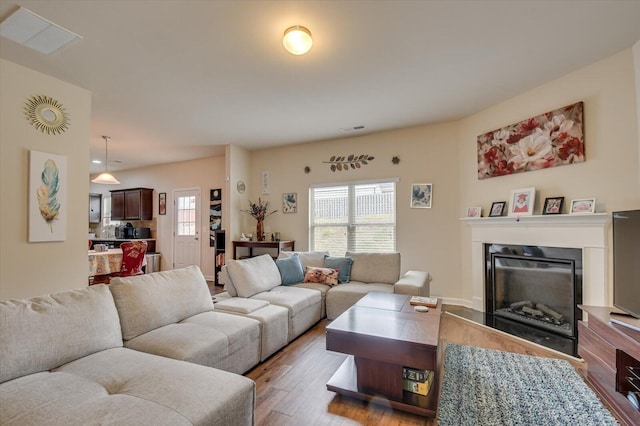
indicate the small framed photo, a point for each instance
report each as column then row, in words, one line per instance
column 583, row 206
column 290, row 202
column 553, row 205
column 497, row 208
column 474, row 212
column 162, row 203
column 421, row 195
column 522, row 202
column 215, row 194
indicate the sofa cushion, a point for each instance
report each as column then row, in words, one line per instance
column 326, row 276
column 375, row 267
column 223, row 277
column 254, row 275
column 342, row 264
column 290, row 269
column 67, row 399
column 307, row 258
column 209, row 338
column 342, row 297
column 240, row 305
column 42, row 333
column 192, row 390
column 147, row 302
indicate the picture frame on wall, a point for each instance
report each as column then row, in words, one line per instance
column 474, row 212
column 290, row 202
column 47, row 196
column 522, row 202
column 162, row 203
column 497, row 208
column 583, row 206
column 553, row 205
column 421, row 195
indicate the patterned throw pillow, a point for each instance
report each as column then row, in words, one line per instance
column 326, row 276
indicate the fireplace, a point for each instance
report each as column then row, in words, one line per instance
column 587, row 233
column 538, row 290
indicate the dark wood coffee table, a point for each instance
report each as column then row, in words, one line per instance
column 382, row 333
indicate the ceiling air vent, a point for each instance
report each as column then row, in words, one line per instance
column 33, row 31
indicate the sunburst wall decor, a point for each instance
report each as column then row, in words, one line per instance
column 47, row 115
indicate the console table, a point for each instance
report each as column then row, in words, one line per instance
column 277, row 245
column 608, row 349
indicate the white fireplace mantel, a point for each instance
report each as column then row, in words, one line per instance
column 588, row 232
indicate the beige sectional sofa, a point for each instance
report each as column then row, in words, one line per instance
column 181, row 322
column 63, row 361
column 259, row 278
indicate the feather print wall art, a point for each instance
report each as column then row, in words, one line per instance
column 48, row 193
column 47, row 197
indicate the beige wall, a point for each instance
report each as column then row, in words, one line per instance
column 636, row 64
column 31, row 269
column 238, row 164
column 427, row 238
column 610, row 172
column 204, row 174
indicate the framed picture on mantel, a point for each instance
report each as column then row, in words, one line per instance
column 522, row 202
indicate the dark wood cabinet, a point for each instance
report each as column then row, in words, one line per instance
column 95, row 208
column 609, row 350
column 132, row 204
column 117, row 205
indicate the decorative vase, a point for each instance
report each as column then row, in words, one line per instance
column 259, row 231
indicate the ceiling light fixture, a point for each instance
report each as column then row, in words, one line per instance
column 297, row 40
column 106, row 177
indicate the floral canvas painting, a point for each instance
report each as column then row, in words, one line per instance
column 47, row 197
column 555, row 138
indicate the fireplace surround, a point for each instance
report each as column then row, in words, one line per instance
column 587, row 233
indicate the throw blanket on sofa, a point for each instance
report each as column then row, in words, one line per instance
column 490, row 387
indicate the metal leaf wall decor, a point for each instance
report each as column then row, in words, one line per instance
column 352, row 161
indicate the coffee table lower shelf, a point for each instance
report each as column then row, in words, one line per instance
column 345, row 382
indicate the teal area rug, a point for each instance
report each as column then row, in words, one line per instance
column 489, row 387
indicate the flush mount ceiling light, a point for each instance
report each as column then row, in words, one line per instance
column 297, row 40
column 33, row 31
column 106, row 177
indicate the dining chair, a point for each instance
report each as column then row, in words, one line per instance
column 133, row 253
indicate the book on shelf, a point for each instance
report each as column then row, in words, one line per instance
column 419, row 387
column 431, row 302
column 414, row 374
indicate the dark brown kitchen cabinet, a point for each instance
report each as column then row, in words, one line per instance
column 132, row 204
column 95, row 208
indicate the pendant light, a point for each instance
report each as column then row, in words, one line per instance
column 297, row 40
column 106, row 177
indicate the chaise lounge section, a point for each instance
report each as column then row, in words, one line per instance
column 62, row 362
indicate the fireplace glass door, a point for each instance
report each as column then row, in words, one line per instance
column 536, row 291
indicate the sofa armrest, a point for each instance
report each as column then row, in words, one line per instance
column 414, row 283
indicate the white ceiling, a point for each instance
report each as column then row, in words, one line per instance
column 176, row 80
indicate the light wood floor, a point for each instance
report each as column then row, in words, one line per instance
column 291, row 389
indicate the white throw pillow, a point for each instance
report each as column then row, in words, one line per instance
column 254, row 275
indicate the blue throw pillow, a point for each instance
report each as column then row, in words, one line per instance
column 342, row 264
column 290, row 270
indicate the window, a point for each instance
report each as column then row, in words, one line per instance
column 186, row 216
column 358, row 217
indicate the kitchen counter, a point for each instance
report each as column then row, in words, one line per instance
column 115, row 242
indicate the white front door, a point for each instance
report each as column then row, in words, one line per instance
column 186, row 247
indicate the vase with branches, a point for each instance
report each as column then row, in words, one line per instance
column 259, row 211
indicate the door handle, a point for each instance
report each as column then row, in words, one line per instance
column 196, row 238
